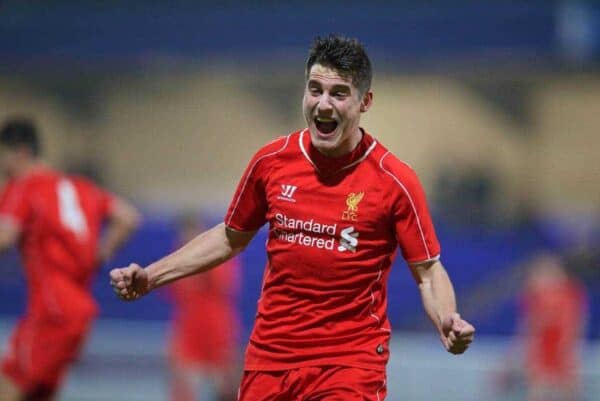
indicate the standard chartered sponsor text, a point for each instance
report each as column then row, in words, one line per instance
column 284, row 223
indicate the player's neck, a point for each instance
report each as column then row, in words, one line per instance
column 30, row 167
column 345, row 148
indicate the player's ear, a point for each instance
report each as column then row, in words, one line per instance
column 366, row 101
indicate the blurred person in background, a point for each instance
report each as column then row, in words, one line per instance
column 56, row 222
column 204, row 343
column 553, row 314
column 338, row 204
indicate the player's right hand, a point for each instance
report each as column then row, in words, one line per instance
column 129, row 283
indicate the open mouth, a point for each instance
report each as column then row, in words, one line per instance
column 325, row 125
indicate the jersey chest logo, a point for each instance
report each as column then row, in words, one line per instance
column 348, row 240
column 312, row 232
column 352, row 201
column 287, row 192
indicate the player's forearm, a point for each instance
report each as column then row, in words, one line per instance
column 437, row 294
column 9, row 233
column 114, row 238
column 6, row 241
column 124, row 218
column 204, row 252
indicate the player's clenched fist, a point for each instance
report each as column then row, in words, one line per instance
column 457, row 334
column 129, row 283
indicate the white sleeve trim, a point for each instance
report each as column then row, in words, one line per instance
column 433, row 259
column 239, row 231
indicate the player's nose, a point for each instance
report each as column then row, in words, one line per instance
column 325, row 104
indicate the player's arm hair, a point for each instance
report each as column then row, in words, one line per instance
column 204, row 252
column 123, row 219
column 9, row 233
column 437, row 291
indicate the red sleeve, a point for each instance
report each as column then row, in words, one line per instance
column 411, row 218
column 248, row 208
column 106, row 200
column 14, row 203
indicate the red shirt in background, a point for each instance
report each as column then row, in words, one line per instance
column 60, row 219
column 205, row 322
column 554, row 313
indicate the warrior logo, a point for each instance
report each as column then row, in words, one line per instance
column 287, row 193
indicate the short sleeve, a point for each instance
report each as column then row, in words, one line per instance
column 412, row 221
column 102, row 201
column 248, row 208
column 14, row 204
column 106, row 201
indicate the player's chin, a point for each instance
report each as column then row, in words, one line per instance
column 324, row 140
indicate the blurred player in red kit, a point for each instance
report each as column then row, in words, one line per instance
column 338, row 204
column 55, row 220
column 553, row 316
column 204, row 344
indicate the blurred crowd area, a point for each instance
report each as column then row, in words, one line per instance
column 508, row 143
column 495, row 105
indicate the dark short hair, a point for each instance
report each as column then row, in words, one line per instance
column 345, row 55
column 20, row 132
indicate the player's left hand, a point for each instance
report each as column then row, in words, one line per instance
column 457, row 334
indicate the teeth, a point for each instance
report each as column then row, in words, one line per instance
column 325, row 120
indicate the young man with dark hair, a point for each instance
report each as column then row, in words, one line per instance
column 55, row 219
column 338, row 204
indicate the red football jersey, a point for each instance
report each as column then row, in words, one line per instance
column 60, row 219
column 334, row 227
column 554, row 314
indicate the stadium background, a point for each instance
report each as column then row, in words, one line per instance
column 495, row 104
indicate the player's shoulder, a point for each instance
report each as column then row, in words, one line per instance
column 80, row 180
column 38, row 180
column 276, row 148
column 389, row 164
column 398, row 175
column 86, row 185
column 277, row 145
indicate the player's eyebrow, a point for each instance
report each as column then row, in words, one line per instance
column 341, row 88
column 335, row 87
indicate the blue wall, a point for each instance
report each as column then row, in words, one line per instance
column 475, row 258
